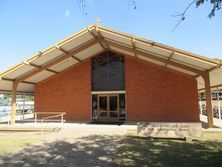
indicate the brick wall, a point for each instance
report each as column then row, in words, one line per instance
column 151, row 94
column 159, row 95
column 68, row 92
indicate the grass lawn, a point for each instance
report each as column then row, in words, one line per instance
column 137, row 151
column 133, row 151
column 11, row 145
column 10, row 142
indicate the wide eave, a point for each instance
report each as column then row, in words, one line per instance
column 94, row 40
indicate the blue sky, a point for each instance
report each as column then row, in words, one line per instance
column 28, row 26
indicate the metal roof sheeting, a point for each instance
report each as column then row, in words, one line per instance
column 96, row 39
column 20, row 71
column 5, row 85
column 22, row 87
column 150, row 60
column 122, row 51
column 64, row 64
column 86, row 53
column 74, row 43
column 40, row 76
column 46, row 57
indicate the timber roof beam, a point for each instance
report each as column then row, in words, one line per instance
column 66, row 52
column 212, row 69
column 100, row 36
column 156, row 65
column 156, row 58
column 169, row 58
column 161, row 46
column 96, row 37
column 133, row 41
column 12, row 80
column 56, row 61
column 37, row 66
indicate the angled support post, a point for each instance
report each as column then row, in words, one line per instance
column 200, row 104
column 218, row 104
column 206, row 78
column 13, row 106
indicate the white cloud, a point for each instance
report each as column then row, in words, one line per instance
column 67, row 13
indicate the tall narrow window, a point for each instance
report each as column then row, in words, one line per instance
column 108, row 72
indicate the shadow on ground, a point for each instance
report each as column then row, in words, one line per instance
column 105, row 123
column 85, row 151
column 137, row 151
column 105, row 151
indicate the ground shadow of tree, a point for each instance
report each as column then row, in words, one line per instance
column 173, row 153
column 97, row 150
column 91, row 150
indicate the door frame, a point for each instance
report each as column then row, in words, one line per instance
column 108, row 106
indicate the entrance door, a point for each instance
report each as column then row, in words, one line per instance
column 108, row 107
column 102, row 107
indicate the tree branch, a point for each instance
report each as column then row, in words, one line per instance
column 83, row 5
column 182, row 15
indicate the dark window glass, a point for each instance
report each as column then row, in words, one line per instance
column 113, row 102
column 122, row 106
column 108, row 72
column 103, row 103
column 94, row 106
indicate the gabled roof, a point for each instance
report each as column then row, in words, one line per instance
column 94, row 40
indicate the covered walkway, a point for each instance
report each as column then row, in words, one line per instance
column 95, row 40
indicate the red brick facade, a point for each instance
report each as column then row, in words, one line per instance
column 68, row 92
column 159, row 95
column 151, row 94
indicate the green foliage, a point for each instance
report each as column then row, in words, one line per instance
column 216, row 6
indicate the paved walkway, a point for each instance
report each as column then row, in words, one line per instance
column 75, row 145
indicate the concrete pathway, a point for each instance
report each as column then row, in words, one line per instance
column 75, row 145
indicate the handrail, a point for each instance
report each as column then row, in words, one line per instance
column 58, row 114
column 50, row 113
column 53, row 116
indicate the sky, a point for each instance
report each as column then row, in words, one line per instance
column 29, row 26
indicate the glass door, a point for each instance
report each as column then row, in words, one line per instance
column 103, row 107
column 114, row 107
column 108, row 107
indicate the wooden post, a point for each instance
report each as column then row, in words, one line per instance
column 200, row 104
column 13, row 112
column 62, row 119
column 206, row 78
column 23, row 107
column 218, row 104
column 1, row 111
column 35, row 115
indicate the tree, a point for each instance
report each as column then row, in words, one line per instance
column 216, row 5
